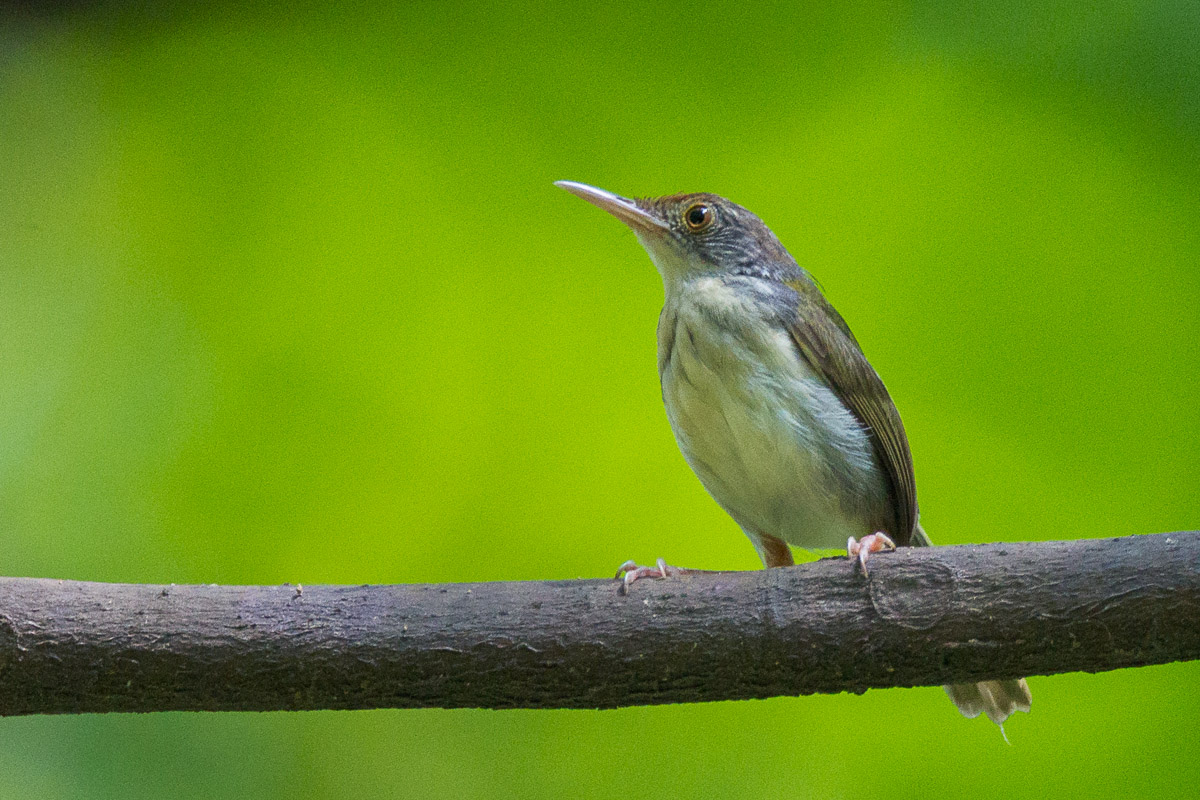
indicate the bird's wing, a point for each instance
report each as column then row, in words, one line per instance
column 834, row 353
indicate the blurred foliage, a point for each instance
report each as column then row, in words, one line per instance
column 290, row 297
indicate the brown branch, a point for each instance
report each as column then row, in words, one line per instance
column 924, row 617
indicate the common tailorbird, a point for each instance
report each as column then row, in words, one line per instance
column 772, row 401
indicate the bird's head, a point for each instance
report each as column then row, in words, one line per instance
column 689, row 235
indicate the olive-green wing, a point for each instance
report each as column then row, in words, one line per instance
column 831, row 349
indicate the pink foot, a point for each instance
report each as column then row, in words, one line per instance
column 862, row 548
column 631, row 571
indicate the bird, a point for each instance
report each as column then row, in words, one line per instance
column 772, row 401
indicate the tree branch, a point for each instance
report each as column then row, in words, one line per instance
column 924, row 617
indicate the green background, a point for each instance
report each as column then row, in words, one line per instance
column 289, row 296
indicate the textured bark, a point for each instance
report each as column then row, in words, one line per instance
column 925, row 616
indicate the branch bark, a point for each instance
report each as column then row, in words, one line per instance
column 925, row 616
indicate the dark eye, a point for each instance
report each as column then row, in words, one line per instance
column 698, row 216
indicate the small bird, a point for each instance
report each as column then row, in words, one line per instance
column 772, row 401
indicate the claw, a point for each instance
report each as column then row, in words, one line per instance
column 626, row 567
column 633, row 572
column 862, row 548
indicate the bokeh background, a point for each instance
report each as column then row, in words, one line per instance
column 289, row 296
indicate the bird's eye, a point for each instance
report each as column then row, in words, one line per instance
column 698, row 216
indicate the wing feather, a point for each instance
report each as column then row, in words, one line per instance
column 834, row 353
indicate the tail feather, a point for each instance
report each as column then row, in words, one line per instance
column 998, row 699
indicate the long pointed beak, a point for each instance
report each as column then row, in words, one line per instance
column 621, row 208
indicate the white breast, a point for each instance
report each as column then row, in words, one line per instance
column 766, row 435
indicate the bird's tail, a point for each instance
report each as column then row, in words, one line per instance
column 997, row 699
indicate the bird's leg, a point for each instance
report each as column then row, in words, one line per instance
column 862, row 548
column 773, row 552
